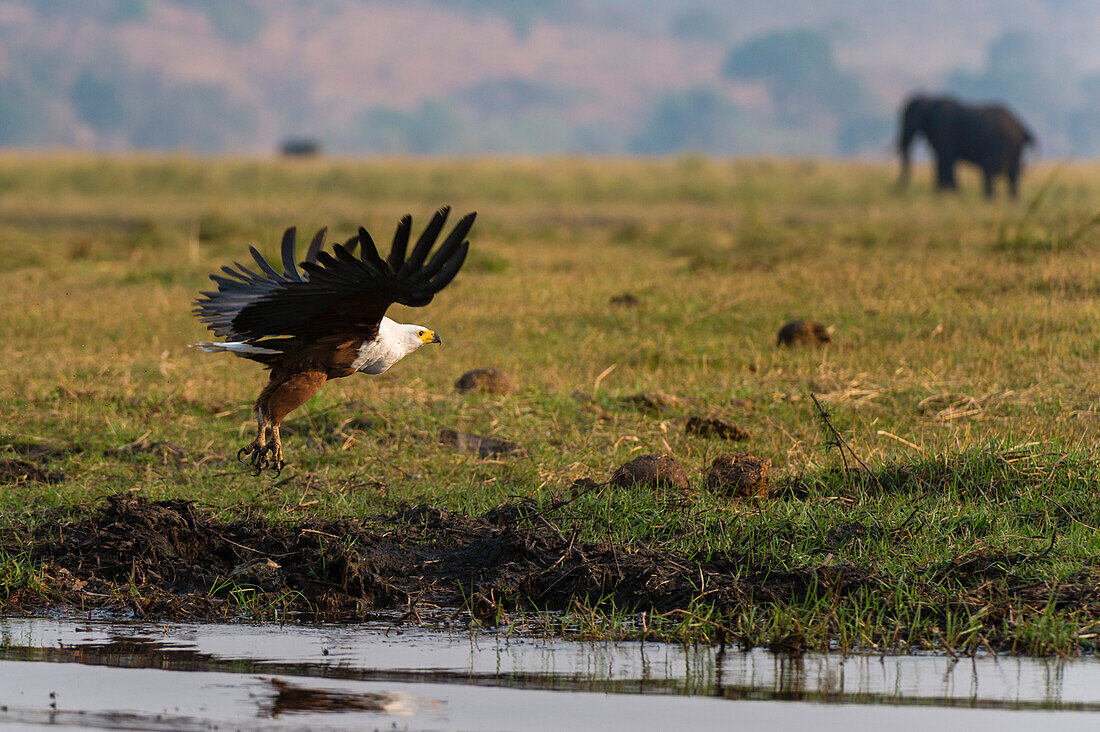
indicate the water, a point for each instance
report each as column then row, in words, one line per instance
column 103, row 675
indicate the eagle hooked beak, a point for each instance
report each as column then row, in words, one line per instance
column 430, row 336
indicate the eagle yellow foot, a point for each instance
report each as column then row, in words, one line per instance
column 263, row 457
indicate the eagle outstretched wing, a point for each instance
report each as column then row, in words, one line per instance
column 341, row 294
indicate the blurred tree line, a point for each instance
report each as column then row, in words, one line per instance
column 776, row 92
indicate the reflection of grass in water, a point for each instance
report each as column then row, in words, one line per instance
column 928, row 295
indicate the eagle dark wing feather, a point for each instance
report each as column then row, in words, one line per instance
column 424, row 243
column 400, row 242
column 369, row 254
column 290, row 269
column 333, row 294
column 262, row 264
column 316, row 245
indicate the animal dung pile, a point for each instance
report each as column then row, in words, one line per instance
column 804, row 333
column 488, row 380
column 739, row 475
column 651, row 471
column 714, row 427
column 481, row 445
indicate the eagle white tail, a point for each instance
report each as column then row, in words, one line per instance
column 237, row 347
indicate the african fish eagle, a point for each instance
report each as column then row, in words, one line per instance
column 327, row 321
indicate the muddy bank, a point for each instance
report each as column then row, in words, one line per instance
column 172, row 560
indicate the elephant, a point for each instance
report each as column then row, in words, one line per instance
column 990, row 136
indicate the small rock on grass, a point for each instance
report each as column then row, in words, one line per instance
column 804, row 333
column 625, row 300
column 651, row 471
column 488, row 380
column 481, row 445
column 739, row 475
column 714, row 427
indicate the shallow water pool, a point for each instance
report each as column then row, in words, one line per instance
column 79, row 674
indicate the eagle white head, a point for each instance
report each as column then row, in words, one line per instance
column 415, row 336
column 394, row 342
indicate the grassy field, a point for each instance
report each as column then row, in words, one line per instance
column 963, row 371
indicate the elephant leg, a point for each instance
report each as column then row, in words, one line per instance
column 1014, row 179
column 987, row 182
column 945, row 173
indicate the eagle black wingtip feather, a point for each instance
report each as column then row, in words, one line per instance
column 400, row 243
column 425, row 243
column 290, row 269
column 263, row 263
column 317, row 244
column 369, row 253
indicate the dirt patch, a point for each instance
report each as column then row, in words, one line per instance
column 41, row 450
column 714, row 427
column 481, row 445
column 655, row 402
column 13, row 471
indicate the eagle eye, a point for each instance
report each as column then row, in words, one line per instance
column 420, row 333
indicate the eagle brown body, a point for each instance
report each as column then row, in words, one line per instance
column 329, row 321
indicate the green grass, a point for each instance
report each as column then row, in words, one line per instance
column 963, row 373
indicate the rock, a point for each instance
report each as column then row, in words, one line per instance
column 651, row 471
column 804, row 333
column 713, row 427
column 625, row 300
column 481, row 445
column 739, row 475
column 488, row 380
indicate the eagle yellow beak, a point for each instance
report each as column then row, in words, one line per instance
column 430, row 336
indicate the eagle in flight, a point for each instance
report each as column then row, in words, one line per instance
column 326, row 320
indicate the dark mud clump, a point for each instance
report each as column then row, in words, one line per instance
column 483, row 446
column 488, row 380
column 652, row 471
column 803, row 333
column 714, row 427
column 739, row 475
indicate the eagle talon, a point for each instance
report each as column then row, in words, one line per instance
column 258, row 457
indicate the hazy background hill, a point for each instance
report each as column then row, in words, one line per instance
column 591, row 76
